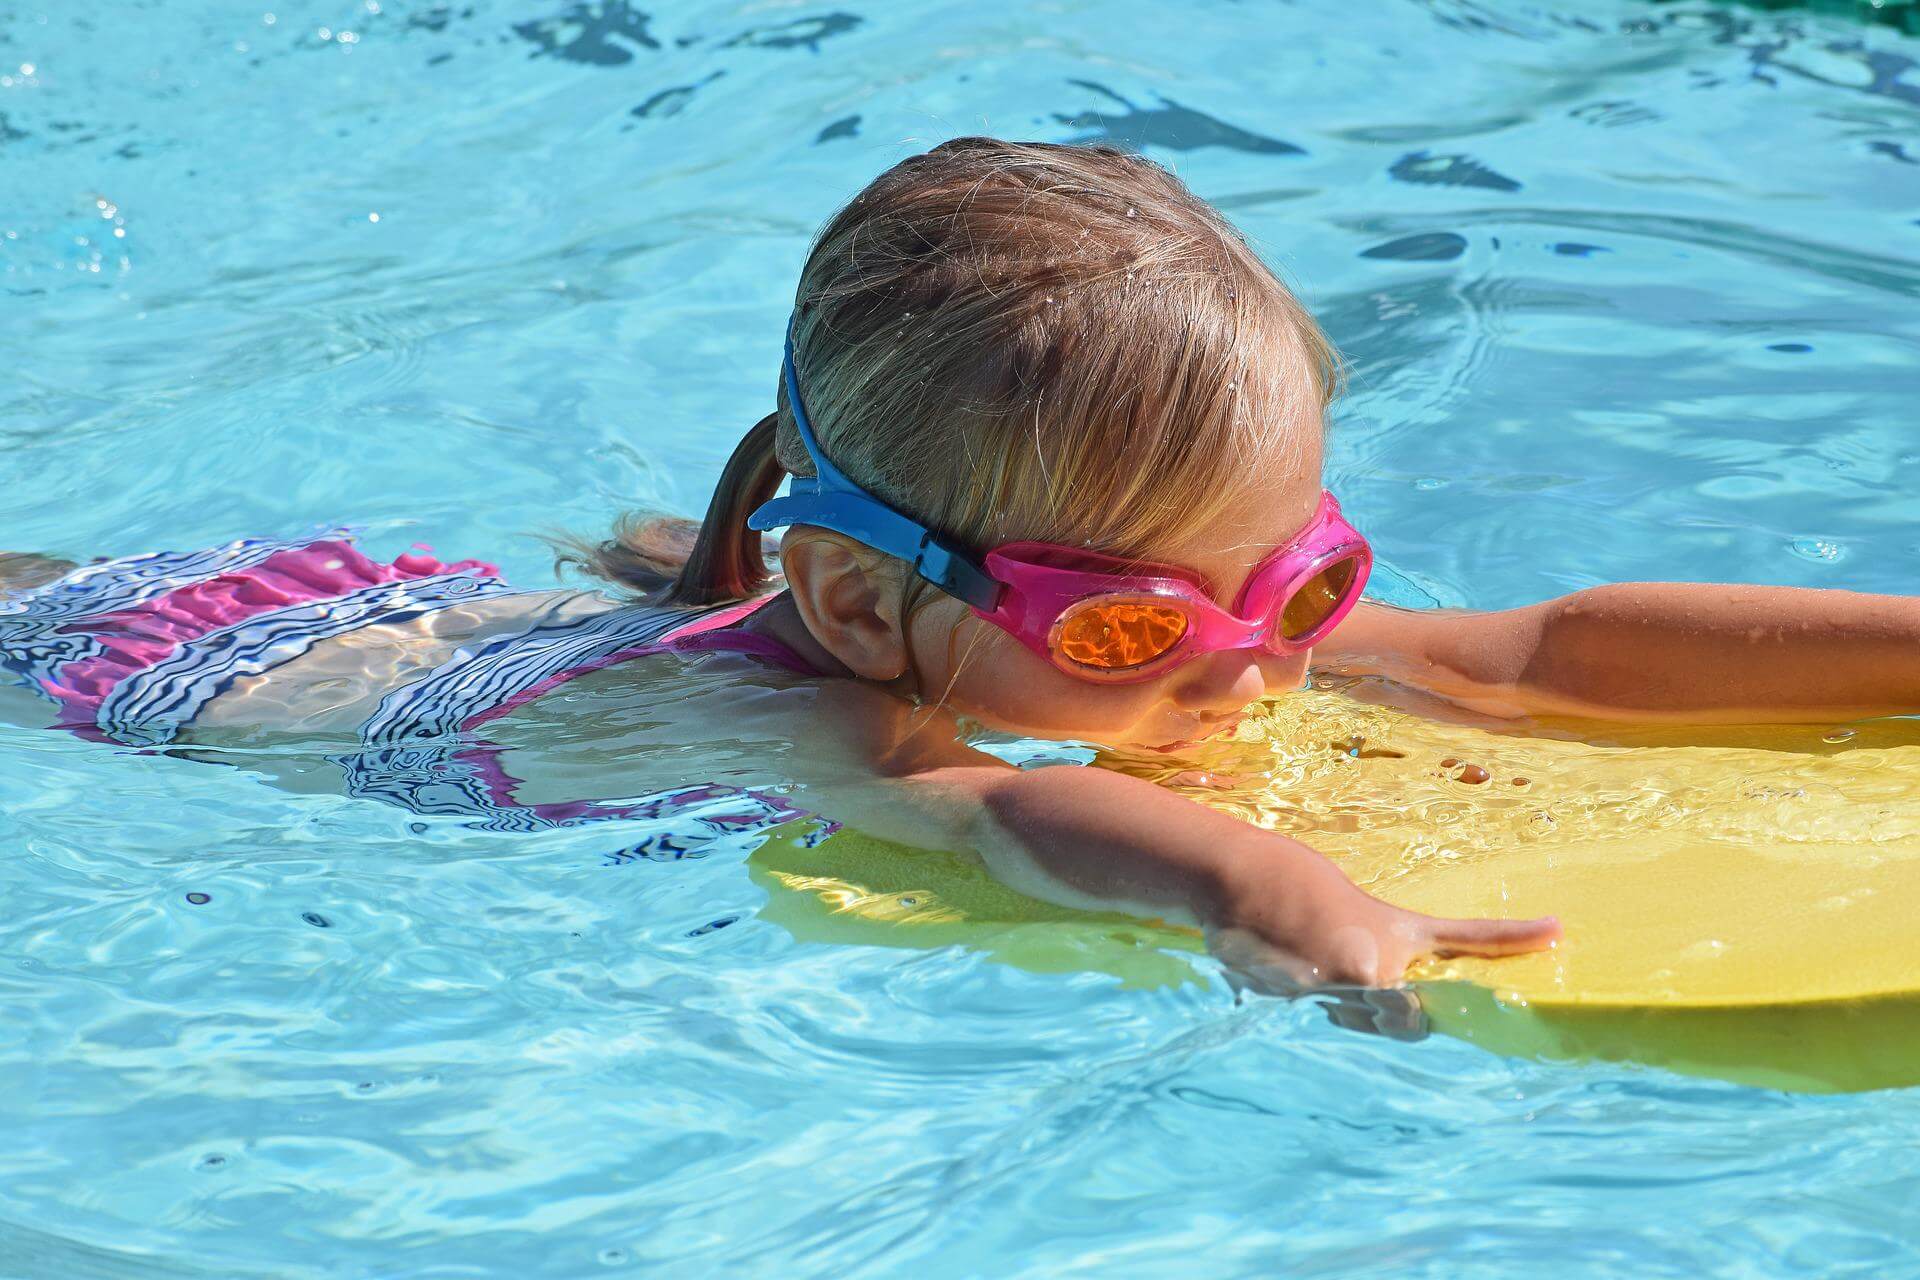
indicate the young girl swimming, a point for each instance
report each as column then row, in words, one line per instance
column 1055, row 439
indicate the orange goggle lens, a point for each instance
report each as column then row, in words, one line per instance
column 1316, row 599
column 1119, row 635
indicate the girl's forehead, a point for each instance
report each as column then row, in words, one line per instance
column 1238, row 531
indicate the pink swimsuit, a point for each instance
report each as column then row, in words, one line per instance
column 131, row 649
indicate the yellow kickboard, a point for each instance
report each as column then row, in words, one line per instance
column 1738, row 902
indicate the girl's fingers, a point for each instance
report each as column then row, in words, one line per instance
column 1493, row 937
column 1252, row 963
column 1395, row 1013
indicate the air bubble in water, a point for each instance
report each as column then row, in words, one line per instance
column 1818, row 550
column 1837, row 735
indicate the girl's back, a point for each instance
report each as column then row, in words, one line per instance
column 387, row 669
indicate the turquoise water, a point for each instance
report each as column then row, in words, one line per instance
column 1630, row 291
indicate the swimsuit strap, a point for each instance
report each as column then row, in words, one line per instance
column 487, row 681
column 717, row 633
column 417, row 751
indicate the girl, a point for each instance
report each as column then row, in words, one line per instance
column 1054, row 433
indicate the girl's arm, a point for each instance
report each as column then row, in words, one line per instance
column 1280, row 913
column 1652, row 651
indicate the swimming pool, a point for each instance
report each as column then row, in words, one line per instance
column 1630, row 293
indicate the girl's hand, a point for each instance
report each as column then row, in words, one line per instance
column 1284, row 927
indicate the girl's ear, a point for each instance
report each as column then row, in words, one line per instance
column 849, row 601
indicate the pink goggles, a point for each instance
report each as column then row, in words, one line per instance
column 1118, row 621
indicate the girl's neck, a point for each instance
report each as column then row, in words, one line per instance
column 779, row 619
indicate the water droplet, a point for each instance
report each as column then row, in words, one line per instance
column 1429, row 482
column 1837, row 735
column 208, row 1163
column 1818, row 550
column 199, row 899
column 418, row 828
column 373, row 217
column 909, row 902
column 317, row 920
column 612, row 1257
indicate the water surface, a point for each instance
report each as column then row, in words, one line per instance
column 1629, row 290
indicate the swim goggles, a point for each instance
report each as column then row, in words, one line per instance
column 1094, row 616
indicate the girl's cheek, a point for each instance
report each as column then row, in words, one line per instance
column 992, row 677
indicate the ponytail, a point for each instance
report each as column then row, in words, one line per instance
column 671, row 560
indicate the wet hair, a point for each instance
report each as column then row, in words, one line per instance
column 1015, row 340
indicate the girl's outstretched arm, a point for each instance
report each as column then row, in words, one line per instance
column 1281, row 914
column 1652, row 651
column 1277, row 911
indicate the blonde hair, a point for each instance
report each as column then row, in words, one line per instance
column 1015, row 340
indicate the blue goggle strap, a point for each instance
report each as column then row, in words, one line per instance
column 832, row 501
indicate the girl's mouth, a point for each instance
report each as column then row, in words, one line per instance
column 1210, row 727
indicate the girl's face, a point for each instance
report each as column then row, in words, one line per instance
column 985, row 673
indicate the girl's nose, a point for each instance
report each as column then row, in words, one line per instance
column 1220, row 682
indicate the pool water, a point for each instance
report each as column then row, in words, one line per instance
column 1629, row 290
